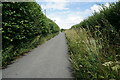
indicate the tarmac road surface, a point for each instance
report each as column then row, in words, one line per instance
column 49, row 60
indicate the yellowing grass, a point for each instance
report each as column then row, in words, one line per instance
column 82, row 40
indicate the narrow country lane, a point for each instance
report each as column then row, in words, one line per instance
column 49, row 60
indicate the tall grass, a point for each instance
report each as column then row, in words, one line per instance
column 89, row 58
column 94, row 45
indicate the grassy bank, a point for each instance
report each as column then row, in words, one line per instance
column 94, row 45
column 89, row 58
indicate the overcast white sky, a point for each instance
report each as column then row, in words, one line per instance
column 70, row 12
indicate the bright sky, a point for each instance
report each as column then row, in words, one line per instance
column 70, row 12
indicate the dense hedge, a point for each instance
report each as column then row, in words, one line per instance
column 22, row 23
column 108, row 19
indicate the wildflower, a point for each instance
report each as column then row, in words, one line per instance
column 108, row 63
column 116, row 67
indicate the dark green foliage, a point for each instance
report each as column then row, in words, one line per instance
column 22, row 23
column 62, row 30
column 106, row 22
column 106, row 17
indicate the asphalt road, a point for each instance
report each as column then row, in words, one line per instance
column 49, row 60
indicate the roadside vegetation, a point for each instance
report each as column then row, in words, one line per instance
column 94, row 45
column 24, row 27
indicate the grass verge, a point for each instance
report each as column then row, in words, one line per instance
column 92, row 58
